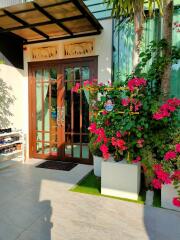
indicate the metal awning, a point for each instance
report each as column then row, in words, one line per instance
column 39, row 20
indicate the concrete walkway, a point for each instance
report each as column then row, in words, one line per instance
column 35, row 204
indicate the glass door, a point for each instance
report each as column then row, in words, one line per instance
column 44, row 115
column 76, row 112
column 59, row 117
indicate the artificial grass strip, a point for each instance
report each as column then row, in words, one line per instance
column 91, row 184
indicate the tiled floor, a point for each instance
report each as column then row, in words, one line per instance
column 35, row 204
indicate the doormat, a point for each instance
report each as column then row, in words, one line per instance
column 58, row 165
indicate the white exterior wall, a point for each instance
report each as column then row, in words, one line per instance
column 11, row 87
column 103, row 49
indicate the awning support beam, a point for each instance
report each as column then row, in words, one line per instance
column 19, row 20
column 66, row 37
column 45, row 13
column 41, row 24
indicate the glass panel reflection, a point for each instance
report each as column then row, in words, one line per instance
column 46, row 148
column 85, row 152
column 76, row 117
column 85, row 139
column 85, row 73
column 38, row 75
column 38, row 106
column 76, row 139
column 77, row 74
column 68, row 149
column 46, row 137
column 46, row 106
column 39, row 147
column 39, row 136
column 46, row 75
column 53, row 74
column 69, row 78
column 53, row 116
column 46, row 110
column 76, row 151
column 54, row 148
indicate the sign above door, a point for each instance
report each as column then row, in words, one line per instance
column 40, row 21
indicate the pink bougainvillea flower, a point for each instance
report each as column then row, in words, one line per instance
column 176, row 201
column 162, row 175
column 170, row 155
column 178, row 148
column 76, row 88
column 157, row 116
column 157, row 167
column 156, row 183
column 125, row 102
column 121, row 144
column 174, row 102
column 101, row 84
column 140, row 143
column 94, row 80
column 136, row 82
column 176, row 175
column 113, row 141
column 118, row 134
column 137, row 104
column 110, row 83
column 104, row 112
column 92, row 128
column 138, row 159
column 161, row 114
column 87, row 82
column 104, row 149
column 100, row 132
column 167, row 108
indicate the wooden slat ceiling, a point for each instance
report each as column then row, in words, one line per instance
column 40, row 20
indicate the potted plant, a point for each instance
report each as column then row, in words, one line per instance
column 166, row 149
column 116, row 133
column 94, row 148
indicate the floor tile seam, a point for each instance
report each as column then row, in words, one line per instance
column 29, row 226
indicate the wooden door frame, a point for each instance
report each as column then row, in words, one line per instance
column 51, row 63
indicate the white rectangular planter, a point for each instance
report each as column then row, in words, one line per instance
column 97, row 165
column 120, row 179
column 167, row 194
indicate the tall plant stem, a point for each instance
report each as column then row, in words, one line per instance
column 167, row 34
